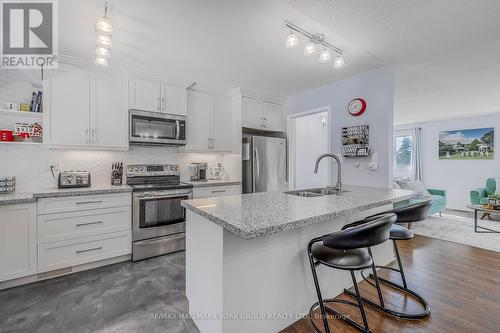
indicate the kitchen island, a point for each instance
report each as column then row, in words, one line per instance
column 246, row 263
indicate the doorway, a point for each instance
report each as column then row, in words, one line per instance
column 309, row 134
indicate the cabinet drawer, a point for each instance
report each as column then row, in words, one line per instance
column 64, row 226
column 63, row 254
column 83, row 202
column 216, row 191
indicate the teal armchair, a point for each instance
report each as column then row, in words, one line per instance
column 479, row 196
column 438, row 198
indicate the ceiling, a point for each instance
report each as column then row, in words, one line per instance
column 445, row 52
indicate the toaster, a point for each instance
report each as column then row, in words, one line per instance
column 73, row 179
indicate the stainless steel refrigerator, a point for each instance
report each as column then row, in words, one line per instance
column 264, row 164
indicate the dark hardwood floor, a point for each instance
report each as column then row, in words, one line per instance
column 461, row 284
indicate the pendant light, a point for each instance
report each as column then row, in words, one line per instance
column 310, row 49
column 104, row 25
column 104, row 41
column 104, row 28
column 338, row 62
column 102, row 52
column 325, row 56
column 101, row 61
column 291, row 40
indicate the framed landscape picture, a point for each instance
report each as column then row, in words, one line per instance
column 468, row 144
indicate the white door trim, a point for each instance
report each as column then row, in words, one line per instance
column 291, row 141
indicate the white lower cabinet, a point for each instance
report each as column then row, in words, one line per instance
column 57, row 255
column 77, row 230
column 216, row 191
column 72, row 225
column 17, row 241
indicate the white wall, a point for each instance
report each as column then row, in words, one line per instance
column 310, row 126
column 376, row 87
column 30, row 164
column 456, row 177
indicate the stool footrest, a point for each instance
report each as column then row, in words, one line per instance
column 338, row 315
column 425, row 313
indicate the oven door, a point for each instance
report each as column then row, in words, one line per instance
column 156, row 128
column 158, row 213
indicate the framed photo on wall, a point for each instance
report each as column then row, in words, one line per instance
column 467, row 144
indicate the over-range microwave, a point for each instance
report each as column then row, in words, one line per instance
column 155, row 128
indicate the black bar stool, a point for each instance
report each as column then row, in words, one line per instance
column 343, row 250
column 408, row 214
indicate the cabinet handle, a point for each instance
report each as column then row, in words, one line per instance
column 265, row 122
column 212, row 143
column 89, row 223
column 88, row 250
column 86, row 135
column 218, row 191
column 88, row 202
column 159, row 104
column 164, row 105
column 93, row 136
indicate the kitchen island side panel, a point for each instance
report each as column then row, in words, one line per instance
column 204, row 272
column 267, row 283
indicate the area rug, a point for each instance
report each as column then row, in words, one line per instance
column 458, row 227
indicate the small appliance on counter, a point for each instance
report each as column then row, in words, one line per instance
column 218, row 173
column 199, row 172
column 7, row 184
column 116, row 173
column 73, row 179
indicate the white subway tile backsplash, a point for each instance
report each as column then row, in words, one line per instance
column 30, row 164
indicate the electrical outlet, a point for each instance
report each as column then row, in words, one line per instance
column 56, row 165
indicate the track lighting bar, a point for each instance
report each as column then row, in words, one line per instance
column 316, row 38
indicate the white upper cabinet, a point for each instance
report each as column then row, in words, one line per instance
column 252, row 113
column 174, row 100
column 144, row 95
column 210, row 123
column 157, row 97
column 222, row 125
column 85, row 109
column 261, row 115
column 109, row 113
column 200, row 117
column 273, row 117
column 66, row 109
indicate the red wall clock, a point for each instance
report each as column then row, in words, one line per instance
column 357, row 107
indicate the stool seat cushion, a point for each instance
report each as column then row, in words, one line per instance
column 341, row 259
column 400, row 233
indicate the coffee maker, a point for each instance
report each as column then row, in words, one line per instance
column 199, row 173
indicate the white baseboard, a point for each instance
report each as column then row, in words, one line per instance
column 62, row 272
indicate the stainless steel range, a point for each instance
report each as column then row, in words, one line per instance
column 158, row 219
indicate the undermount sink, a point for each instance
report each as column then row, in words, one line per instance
column 316, row 192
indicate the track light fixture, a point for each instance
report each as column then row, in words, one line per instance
column 311, row 47
column 104, row 28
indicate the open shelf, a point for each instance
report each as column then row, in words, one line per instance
column 20, row 143
column 21, row 113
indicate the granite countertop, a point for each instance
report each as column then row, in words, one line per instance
column 25, row 197
column 212, row 183
column 259, row 214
